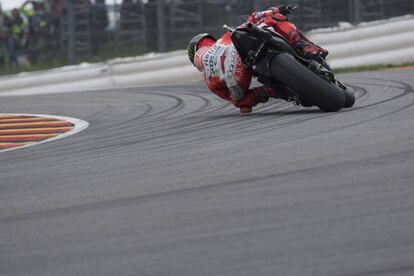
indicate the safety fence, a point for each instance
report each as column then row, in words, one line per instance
column 382, row 42
column 73, row 31
column 166, row 25
column 150, row 69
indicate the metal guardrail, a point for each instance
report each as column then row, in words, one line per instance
column 163, row 25
column 92, row 30
column 365, row 44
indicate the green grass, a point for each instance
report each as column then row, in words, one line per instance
column 106, row 52
column 109, row 51
column 58, row 61
column 371, row 68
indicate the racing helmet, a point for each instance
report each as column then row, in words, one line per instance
column 192, row 46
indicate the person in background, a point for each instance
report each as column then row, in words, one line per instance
column 38, row 30
column 100, row 21
column 6, row 41
column 54, row 25
column 18, row 31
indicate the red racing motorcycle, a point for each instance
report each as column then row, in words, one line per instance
column 277, row 64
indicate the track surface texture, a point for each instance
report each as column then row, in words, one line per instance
column 174, row 181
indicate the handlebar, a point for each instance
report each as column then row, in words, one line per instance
column 258, row 32
column 293, row 8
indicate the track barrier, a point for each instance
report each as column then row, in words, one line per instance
column 380, row 42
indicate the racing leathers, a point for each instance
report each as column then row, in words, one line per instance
column 229, row 78
column 274, row 20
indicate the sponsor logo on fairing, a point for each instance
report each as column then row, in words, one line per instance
column 259, row 15
column 235, row 67
column 238, row 74
column 223, row 60
column 232, row 64
column 211, row 60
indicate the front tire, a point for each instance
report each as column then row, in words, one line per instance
column 286, row 69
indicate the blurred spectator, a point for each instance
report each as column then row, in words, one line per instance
column 99, row 23
column 18, row 31
column 6, row 41
column 130, row 11
column 55, row 10
column 37, row 42
column 83, row 26
column 54, row 25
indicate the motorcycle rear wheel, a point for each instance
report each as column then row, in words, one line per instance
column 286, row 69
column 349, row 99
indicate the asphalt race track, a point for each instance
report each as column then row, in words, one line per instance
column 174, row 181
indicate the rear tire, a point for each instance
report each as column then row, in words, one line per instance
column 349, row 99
column 307, row 84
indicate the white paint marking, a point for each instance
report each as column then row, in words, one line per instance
column 79, row 125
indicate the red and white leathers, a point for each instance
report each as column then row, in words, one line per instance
column 274, row 20
column 225, row 73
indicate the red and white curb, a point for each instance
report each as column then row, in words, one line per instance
column 19, row 131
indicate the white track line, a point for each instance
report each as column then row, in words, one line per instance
column 79, row 125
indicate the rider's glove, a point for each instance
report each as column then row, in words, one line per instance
column 260, row 94
column 246, row 104
column 245, row 109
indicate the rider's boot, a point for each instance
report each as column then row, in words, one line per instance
column 262, row 95
column 306, row 47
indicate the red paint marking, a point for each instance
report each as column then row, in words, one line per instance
column 13, row 116
column 22, row 130
column 35, row 124
column 35, row 130
column 26, row 120
column 14, row 145
column 15, row 138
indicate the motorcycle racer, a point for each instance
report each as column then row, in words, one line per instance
column 224, row 72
